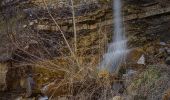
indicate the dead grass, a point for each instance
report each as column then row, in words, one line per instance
column 79, row 75
column 75, row 75
column 148, row 78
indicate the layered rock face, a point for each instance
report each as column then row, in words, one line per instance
column 151, row 22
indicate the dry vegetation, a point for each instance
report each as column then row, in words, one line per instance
column 72, row 74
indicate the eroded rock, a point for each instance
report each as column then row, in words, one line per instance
column 141, row 60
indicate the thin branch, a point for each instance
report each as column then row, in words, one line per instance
column 74, row 26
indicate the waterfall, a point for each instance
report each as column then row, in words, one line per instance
column 117, row 49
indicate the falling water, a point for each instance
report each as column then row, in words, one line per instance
column 117, row 49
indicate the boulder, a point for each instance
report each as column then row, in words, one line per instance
column 43, row 98
column 118, row 87
column 31, row 23
column 141, row 60
column 117, row 98
column 135, row 59
column 129, row 73
column 168, row 51
column 162, row 43
column 167, row 61
column 162, row 50
column 24, row 26
column 134, row 55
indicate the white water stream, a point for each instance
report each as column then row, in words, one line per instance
column 117, row 49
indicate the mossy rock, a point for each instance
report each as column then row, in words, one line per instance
column 134, row 55
column 46, row 72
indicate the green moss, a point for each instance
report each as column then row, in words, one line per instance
column 147, row 78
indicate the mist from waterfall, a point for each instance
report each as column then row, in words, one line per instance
column 117, row 49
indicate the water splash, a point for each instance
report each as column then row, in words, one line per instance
column 117, row 49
